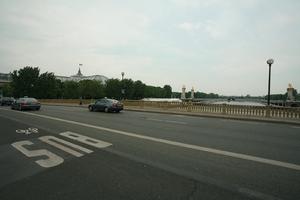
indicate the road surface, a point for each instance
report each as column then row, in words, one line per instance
column 70, row 153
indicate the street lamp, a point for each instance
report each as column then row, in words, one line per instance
column 269, row 62
column 123, row 90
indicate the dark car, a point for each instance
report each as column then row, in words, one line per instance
column 6, row 101
column 26, row 104
column 106, row 105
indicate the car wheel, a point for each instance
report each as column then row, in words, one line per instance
column 91, row 108
column 106, row 110
column 37, row 108
column 117, row 111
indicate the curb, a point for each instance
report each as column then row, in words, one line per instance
column 241, row 118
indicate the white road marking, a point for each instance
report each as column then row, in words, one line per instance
column 166, row 121
column 51, row 161
column 51, row 140
column 179, row 144
column 27, row 131
column 85, row 139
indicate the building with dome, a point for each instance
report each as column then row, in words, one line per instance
column 79, row 77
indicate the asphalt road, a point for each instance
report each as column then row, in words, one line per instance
column 72, row 153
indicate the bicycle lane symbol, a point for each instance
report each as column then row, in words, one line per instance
column 27, row 131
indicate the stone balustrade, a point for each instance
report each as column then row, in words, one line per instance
column 223, row 109
column 193, row 107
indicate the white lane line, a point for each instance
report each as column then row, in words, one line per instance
column 166, row 121
column 178, row 144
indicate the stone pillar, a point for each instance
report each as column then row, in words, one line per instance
column 183, row 92
column 290, row 93
column 192, row 93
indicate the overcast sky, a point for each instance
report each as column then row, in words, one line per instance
column 214, row 46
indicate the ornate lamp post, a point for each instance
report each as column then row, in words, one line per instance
column 269, row 62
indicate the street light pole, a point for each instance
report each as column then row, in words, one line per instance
column 123, row 90
column 269, row 62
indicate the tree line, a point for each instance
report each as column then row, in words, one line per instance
column 28, row 81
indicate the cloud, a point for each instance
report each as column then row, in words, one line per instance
column 189, row 26
column 215, row 46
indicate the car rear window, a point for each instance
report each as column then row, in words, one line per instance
column 31, row 100
column 113, row 101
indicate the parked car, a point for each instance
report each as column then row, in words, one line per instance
column 106, row 105
column 26, row 104
column 6, row 101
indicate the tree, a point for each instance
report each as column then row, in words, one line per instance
column 7, row 90
column 154, row 92
column 139, row 90
column 167, row 91
column 113, row 88
column 59, row 88
column 24, row 81
column 128, row 86
column 91, row 89
column 46, row 87
column 295, row 93
column 70, row 90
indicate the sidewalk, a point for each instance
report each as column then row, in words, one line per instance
column 211, row 115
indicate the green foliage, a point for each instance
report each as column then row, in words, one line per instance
column 46, row 87
column 24, row 81
column 91, row 89
column 127, row 86
column 295, row 93
column 281, row 97
column 139, row 90
column 113, row 88
column 154, row 92
column 70, row 90
column 29, row 82
column 167, row 91
column 7, row 90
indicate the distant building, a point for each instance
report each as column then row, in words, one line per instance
column 79, row 77
column 4, row 78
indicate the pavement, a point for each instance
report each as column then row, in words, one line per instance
column 63, row 152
